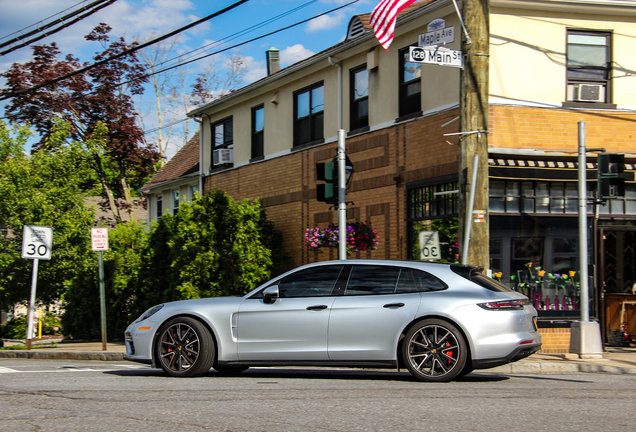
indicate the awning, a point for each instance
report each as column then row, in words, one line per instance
column 541, row 170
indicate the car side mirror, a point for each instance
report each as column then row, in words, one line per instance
column 270, row 294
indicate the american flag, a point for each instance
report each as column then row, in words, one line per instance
column 383, row 19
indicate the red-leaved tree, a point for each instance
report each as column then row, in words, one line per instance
column 85, row 100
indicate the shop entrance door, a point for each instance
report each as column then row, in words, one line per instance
column 617, row 283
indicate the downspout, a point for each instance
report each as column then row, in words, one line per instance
column 330, row 58
column 200, row 121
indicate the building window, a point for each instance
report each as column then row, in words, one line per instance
column 194, row 189
column 309, row 105
column 589, row 66
column 433, row 207
column 359, row 105
column 410, row 85
column 175, row 202
column 158, row 205
column 433, row 201
column 258, row 135
column 222, row 138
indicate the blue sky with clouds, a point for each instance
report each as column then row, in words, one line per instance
column 145, row 19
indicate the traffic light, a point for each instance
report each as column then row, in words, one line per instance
column 327, row 172
column 611, row 175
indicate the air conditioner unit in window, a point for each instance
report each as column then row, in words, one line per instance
column 222, row 156
column 589, row 92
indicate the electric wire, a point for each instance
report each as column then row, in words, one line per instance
column 124, row 53
column 231, row 37
column 55, row 30
column 47, row 18
column 185, row 56
column 51, row 24
column 235, row 46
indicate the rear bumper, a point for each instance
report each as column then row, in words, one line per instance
column 521, row 352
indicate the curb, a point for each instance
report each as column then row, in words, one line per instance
column 511, row 368
column 558, row 368
column 63, row 355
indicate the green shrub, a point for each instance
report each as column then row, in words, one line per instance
column 16, row 328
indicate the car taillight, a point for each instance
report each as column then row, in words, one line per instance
column 504, row 304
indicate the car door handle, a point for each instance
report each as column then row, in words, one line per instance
column 318, row 307
column 396, row 305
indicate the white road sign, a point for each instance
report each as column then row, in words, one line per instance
column 437, row 37
column 436, row 55
column 429, row 245
column 99, row 239
column 37, row 242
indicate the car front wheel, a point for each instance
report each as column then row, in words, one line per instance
column 434, row 350
column 185, row 348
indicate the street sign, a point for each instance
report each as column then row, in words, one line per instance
column 480, row 216
column 99, row 239
column 37, row 242
column 437, row 37
column 429, row 245
column 436, row 55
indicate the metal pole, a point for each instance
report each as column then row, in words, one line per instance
column 342, row 205
column 469, row 210
column 102, row 298
column 34, row 282
column 585, row 302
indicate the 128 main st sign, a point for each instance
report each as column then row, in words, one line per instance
column 436, row 55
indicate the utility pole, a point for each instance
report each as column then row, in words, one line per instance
column 473, row 108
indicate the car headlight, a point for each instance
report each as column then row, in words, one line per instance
column 150, row 312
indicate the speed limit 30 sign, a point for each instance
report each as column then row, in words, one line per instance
column 37, row 242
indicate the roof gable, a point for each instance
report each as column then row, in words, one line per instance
column 185, row 162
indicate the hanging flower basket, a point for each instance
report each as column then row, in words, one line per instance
column 361, row 236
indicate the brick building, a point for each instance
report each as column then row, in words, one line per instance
column 552, row 64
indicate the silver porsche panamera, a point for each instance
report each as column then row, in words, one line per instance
column 440, row 321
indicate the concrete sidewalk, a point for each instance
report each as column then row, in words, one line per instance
column 615, row 360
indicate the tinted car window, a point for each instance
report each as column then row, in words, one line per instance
column 366, row 280
column 311, row 282
column 418, row 281
column 474, row 274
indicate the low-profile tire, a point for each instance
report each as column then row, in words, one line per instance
column 230, row 370
column 434, row 350
column 468, row 369
column 184, row 348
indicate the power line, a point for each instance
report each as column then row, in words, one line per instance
column 57, row 29
column 124, row 53
column 50, row 24
column 237, row 45
column 29, row 26
column 237, row 34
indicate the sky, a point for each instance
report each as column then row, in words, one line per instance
column 147, row 19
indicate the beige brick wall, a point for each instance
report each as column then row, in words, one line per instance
column 555, row 340
column 384, row 162
column 557, row 129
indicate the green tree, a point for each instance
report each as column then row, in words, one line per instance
column 42, row 189
column 212, row 247
column 122, row 262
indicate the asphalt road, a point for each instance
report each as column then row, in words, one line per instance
column 54, row 395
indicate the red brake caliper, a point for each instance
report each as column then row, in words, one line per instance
column 450, row 353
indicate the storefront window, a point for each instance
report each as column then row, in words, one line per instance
column 539, row 257
column 433, row 208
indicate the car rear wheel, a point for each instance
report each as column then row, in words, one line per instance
column 434, row 350
column 185, row 348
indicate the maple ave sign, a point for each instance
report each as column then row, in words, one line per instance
column 430, row 50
